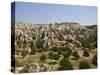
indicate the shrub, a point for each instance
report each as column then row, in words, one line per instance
column 59, row 52
column 67, row 53
column 55, row 49
column 38, row 43
column 39, row 50
column 76, row 55
column 84, row 65
column 43, row 58
column 95, row 44
column 23, row 53
column 65, row 64
column 34, row 51
column 90, row 44
column 65, row 49
column 94, row 61
column 53, row 55
column 86, row 44
column 86, row 54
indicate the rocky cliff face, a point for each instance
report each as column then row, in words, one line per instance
column 58, row 34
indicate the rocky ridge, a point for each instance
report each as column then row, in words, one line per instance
column 67, row 33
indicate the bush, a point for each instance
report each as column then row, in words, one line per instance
column 67, row 53
column 90, row 44
column 39, row 50
column 38, row 43
column 55, row 49
column 43, row 58
column 84, row 65
column 86, row 44
column 86, row 54
column 94, row 61
column 76, row 55
column 34, row 51
column 95, row 44
column 23, row 53
column 54, row 56
column 69, row 67
column 59, row 52
column 65, row 49
column 65, row 64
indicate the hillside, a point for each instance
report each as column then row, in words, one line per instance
column 53, row 47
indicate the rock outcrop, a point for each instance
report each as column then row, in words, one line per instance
column 54, row 34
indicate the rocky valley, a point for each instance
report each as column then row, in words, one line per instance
column 53, row 47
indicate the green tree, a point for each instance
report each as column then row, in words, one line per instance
column 86, row 53
column 94, row 61
column 76, row 55
column 67, row 53
column 55, row 49
column 84, row 65
column 43, row 58
column 55, row 56
column 65, row 64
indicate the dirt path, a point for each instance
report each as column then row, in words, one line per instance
column 89, row 58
